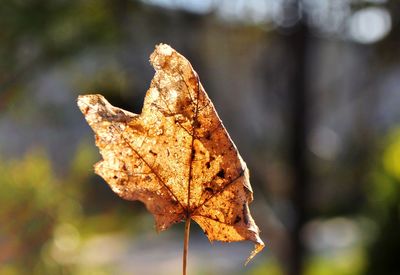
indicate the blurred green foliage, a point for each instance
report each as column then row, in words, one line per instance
column 55, row 28
column 48, row 217
column 384, row 209
column 30, row 198
column 344, row 262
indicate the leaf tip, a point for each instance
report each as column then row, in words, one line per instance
column 164, row 49
column 166, row 59
column 257, row 249
column 89, row 101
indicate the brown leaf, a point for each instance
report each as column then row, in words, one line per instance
column 176, row 156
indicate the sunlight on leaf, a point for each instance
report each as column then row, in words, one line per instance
column 176, row 156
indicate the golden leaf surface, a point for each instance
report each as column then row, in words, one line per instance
column 176, row 156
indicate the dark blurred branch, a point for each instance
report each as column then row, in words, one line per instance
column 297, row 43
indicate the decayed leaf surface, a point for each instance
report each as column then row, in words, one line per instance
column 176, row 156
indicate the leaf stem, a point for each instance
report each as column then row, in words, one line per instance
column 186, row 244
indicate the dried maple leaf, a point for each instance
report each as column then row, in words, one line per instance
column 176, row 156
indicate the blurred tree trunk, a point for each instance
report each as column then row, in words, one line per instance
column 297, row 47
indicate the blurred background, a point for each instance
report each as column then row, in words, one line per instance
column 309, row 91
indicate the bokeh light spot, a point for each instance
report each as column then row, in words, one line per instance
column 66, row 237
column 370, row 25
column 324, row 143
